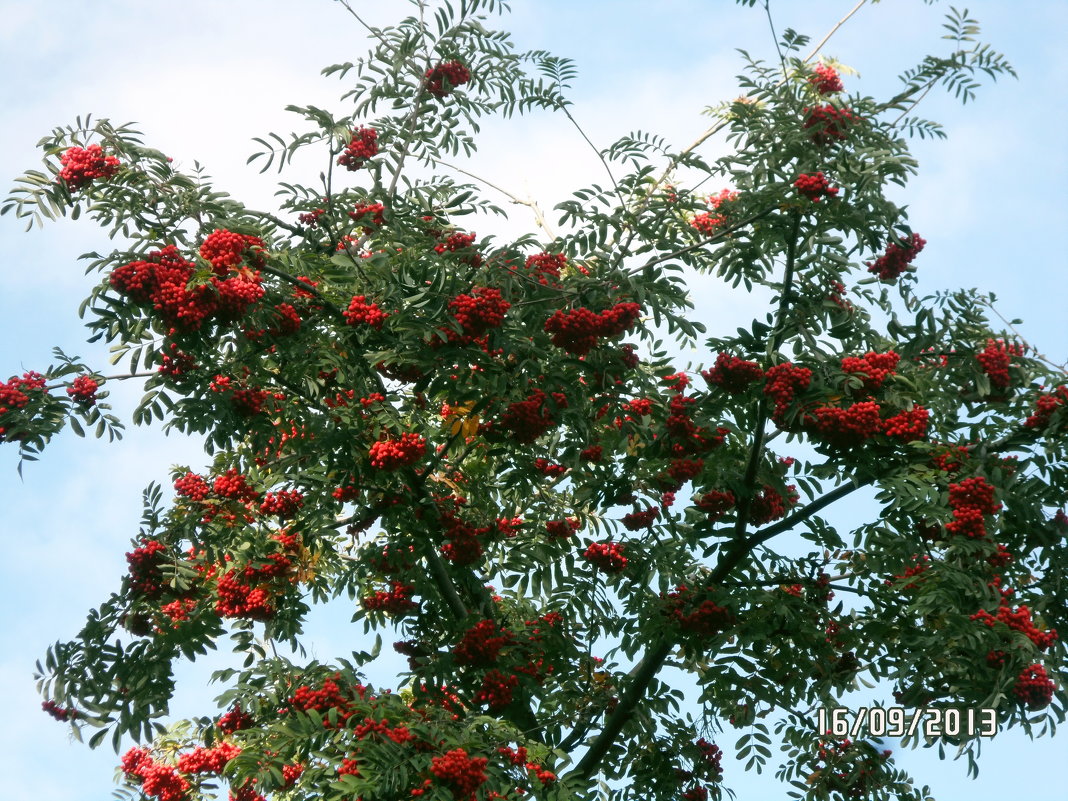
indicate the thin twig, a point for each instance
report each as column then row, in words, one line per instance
column 539, row 218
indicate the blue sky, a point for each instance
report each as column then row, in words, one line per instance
column 203, row 77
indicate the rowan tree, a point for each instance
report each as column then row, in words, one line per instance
column 485, row 449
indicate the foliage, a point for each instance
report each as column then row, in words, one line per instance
column 402, row 414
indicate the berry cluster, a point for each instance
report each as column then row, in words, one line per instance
column 814, row 186
column 995, row 359
column 497, row 690
column 360, row 311
column 562, row 529
column 830, row 123
column 284, row 503
column 397, row 600
column 897, row 258
column 83, row 165
column 716, row 503
column 529, row 419
column 971, row 500
column 227, row 249
column 636, row 521
column 1045, row 407
column 1018, row 619
column 463, row 546
column 392, row 454
column 60, row 713
column 1033, row 687
column 546, row 267
column 370, row 215
column 770, row 504
column 461, row 773
column 732, row 374
column 908, row 426
column 208, row 760
column 145, row 566
column 362, row 145
column 607, row 556
column 446, row 76
column 873, row 367
column 783, row 382
column 700, row 617
column 232, row 484
column 845, row 427
column 162, row 280
column 481, row 644
column 160, row 781
column 708, row 223
column 550, row 469
column 236, row 719
column 480, row 311
column 578, row 330
column 83, row 390
column 825, row 80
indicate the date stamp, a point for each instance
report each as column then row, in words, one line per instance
column 896, row 721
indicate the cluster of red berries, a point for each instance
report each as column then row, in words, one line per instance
column 235, row 719
column 60, row 713
column 1034, row 687
column 636, row 521
column 995, row 359
column 362, row 145
column 830, row 123
column 708, row 222
column 594, row 453
column 897, row 258
column 1018, row 619
column 825, row 80
column 157, row 780
column 783, row 382
column 232, row 484
column 162, row 278
column 970, row 500
column 227, row 249
column 497, row 690
column 480, row 311
column 12, row 395
column 208, row 760
column 461, row 773
column 873, row 367
column 732, row 374
column 716, row 503
column 397, row 600
column 529, row 419
column 770, row 504
column 463, row 546
column 284, row 503
column 83, row 390
column 442, row 79
column 83, row 165
column 481, row 644
column 562, row 529
column 145, row 567
column 703, row 618
column 908, row 426
column 712, row 754
column 360, row 311
column 920, row 565
column 393, row 454
column 577, row 330
column 1045, row 407
column 607, row 556
column 239, row 598
column 548, row 468
column 454, row 242
column 546, row 267
column 845, row 427
column 371, row 215
column 815, row 186
column 311, row 218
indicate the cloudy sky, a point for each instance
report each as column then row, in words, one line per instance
column 202, row 78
